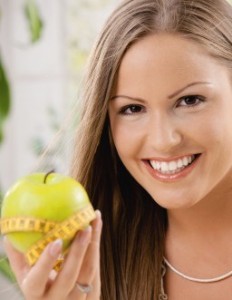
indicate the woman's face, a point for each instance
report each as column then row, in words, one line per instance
column 171, row 119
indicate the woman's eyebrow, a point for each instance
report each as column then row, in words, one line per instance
column 187, row 86
column 128, row 97
column 169, row 97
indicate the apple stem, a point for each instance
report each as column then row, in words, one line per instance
column 46, row 176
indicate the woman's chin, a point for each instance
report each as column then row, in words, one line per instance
column 180, row 203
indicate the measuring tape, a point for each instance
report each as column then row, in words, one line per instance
column 64, row 230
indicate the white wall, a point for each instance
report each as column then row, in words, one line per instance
column 44, row 76
column 44, row 79
column 38, row 76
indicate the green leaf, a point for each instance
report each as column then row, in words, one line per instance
column 4, row 98
column 5, row 269
column 34, row 20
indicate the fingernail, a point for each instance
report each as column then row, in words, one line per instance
column 84, row 235
column 55, row 248
column 98, row 213
column 98, row 224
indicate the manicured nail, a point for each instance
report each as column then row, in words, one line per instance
column 84, row 235
column 52, row 274
column 98, row 213
column 98, row 225
column 55, row 248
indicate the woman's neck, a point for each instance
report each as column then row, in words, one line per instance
column 202, row 233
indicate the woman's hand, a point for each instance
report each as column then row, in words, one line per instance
column 81, row 267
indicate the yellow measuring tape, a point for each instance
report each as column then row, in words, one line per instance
column 52, row 230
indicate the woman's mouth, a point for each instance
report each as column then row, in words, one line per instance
column 172, row 169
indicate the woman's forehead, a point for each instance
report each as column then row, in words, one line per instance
column 166, row 62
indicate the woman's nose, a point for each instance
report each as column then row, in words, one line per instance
column 164, row 134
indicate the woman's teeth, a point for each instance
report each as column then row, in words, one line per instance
column 172, row 167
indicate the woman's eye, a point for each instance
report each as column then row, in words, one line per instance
column 131, row 109
column 190, row 100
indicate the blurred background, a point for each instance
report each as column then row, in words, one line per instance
column 44, row 45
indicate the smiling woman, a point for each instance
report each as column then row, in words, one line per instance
column 169, row 129
column 154, row 152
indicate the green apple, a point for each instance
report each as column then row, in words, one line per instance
column 51, row 197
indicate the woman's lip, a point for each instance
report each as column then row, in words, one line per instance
column 171, row 177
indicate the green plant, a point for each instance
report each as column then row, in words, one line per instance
column 4, row 98
column 35, row 26
column 34, row 20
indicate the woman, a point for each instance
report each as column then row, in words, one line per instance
column 154, row 151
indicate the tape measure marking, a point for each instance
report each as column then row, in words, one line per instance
column 16, row 224
column 53, row 230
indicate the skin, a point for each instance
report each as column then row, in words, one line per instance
column 81, row 265
column 154, row 116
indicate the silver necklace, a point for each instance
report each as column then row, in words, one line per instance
column 201, row 280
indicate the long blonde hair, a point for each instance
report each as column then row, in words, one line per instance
column 134, row 225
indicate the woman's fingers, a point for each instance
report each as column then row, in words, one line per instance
column 28, row 277
column 40, row 272
column 65, row 281
column 17, row 261
column 82, row 262
column 96, row 293
column 97, row 278
column 81, row 265
column 90, row 270
column 92, row 258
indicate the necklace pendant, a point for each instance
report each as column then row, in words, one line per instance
column 163, row 296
